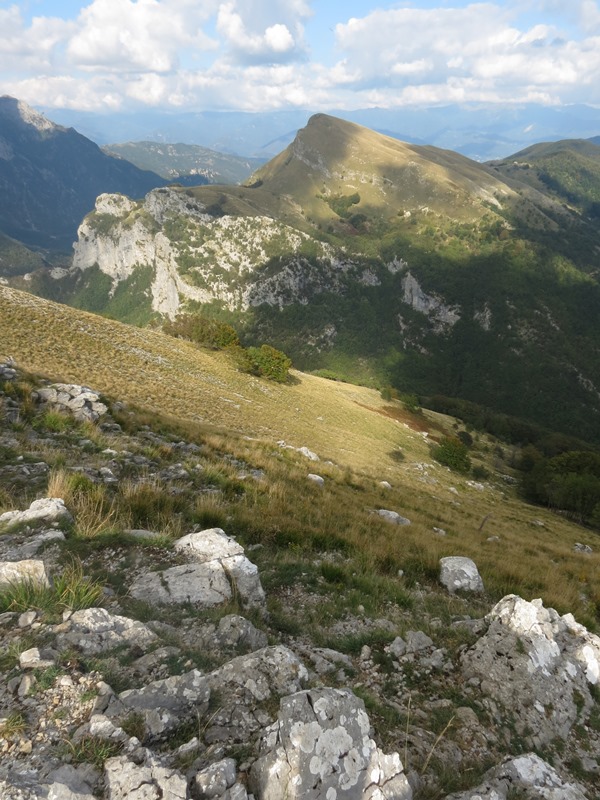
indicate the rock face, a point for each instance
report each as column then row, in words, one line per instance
column 536, row 665
column 460, row 574
column 320, row 749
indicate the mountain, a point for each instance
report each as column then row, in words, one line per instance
column 568, row 170
column 189, row 164
column 374, row 260
column 50, row 177
column 479, row 131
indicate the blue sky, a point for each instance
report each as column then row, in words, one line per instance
column 100, row 55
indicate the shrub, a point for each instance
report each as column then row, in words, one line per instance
column 265, row 361
column 451, row 452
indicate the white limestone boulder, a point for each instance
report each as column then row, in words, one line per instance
column 460, row 574
column 46, row 511
column 27, row 571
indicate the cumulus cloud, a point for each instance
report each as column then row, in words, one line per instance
column 254, row 55
column 476, row 53
column 255, row 31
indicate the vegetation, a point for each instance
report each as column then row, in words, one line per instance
column 266, row 362
column 202, row 330
column 453, row 453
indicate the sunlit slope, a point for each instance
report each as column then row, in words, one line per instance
column 173, row 377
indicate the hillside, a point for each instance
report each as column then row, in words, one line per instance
column 189, row 164
column 568, row 170
column 195, row 592
column 50, row 177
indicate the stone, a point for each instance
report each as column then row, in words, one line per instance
column 460, row 574
column 219, row 552
column 36, row 659
column 536, row 664
column 216, row 779
column 27, row 618
column 397, row 648
column 164, row 704
column 236, row 633
column 29, row 570
column 417, row 641
column 529, row 774
column 385, row 485
column 45, row 511
column 320, row 749
column 95, row 630
column 201, row 585
column 393, row 517
column 127, row 780
column 317, row 479
column 582, row 548
column 308, row 454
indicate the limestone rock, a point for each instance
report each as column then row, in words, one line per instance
column 216, row 779
column 46, row 511
column 459, row 573
column 318, row 479
column 236, row 633
column 202, row 585
column 537, row 665
column 80, row 401
column 22, row 571
column 529, row 775
column 95, row 630
column 393, row 517
column 126, row 780
column 163, row 704
column 320, row 749
column 219, row 552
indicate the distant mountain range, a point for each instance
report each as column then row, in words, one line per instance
column 188, row 164
column 481, row 132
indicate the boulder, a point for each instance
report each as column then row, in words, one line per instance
column 201, row 585
column 460, row 574
column 320, row 749
column 537, row 666
column 221, row 553
column 393, row 517
column 529, row 776
column 46, row 511
column 216, row 779
column 318, row 479
column 95, row 630
column 29, row 570
column 80, row 401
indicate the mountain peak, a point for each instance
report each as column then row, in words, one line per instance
column 18, row 111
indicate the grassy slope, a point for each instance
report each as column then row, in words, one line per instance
column 368, row 439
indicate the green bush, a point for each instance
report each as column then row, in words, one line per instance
column 451, row 452
column 264, row 361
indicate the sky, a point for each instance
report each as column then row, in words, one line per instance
column 260, row 55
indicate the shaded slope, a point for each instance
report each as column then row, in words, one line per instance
column 50, row 177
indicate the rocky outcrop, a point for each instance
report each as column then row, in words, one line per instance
column 443, row 317
column 527, row 776
column 80, row 401
column 536, row 666
column 320, row 749
column 220, row 570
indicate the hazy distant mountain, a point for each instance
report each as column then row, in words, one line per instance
column 478, row 131
column 378, row 261
column 189, row 164
column 50, row 177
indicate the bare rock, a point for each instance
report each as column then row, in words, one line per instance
column 393, row 517
column 203, row 585
column 95, row 630
column 46, row 511
column 529, row 775
column 29, row 570
column 320, row 749
column 126, row 780
column 460, row 574
column 537, row 665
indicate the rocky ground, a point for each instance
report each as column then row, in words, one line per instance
column 163, row 661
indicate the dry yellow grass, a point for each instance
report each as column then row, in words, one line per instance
column 531, row 552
